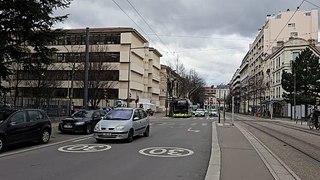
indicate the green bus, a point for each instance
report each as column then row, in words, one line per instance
column 182, row 108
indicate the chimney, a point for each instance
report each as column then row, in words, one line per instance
column 312, row 42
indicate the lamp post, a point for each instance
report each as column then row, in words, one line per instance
column 86, row 71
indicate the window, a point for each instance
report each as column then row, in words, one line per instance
column 143, row 114
column 308, row 13
column 291, row 25
column 136, row 114
column 294, row 34
column 278, row 16
column 295, row 55
column 35, row 116
column 18, row 118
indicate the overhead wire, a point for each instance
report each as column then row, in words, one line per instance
column 285, row 26
column 313, row 4
column 144, row 20
column 138, row 26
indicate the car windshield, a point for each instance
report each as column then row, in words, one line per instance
column 119, row 114
column 83, row 114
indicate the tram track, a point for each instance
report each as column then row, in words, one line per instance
column 297, row 128
column 310, row 150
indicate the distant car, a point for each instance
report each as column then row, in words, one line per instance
column 213, row 113
column 200, row 112
column 82, row 121
column 123, row 123
column 23, row 125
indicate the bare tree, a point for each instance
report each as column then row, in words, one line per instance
column 44, row 82
column 102, row 74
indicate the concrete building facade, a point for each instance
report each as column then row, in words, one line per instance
column 121, row 66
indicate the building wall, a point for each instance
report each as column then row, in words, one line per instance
column 267, row 41
column 131, row 46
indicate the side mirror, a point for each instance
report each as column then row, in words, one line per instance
column 13, row 123
column 95, row 116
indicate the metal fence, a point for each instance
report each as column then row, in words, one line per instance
column 53, row 107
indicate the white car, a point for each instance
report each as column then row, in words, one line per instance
column 122, row 123
column 200, row 112
column 213, row 113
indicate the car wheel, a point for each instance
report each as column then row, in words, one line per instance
column 146, row 132
column 130, row 136
column 88, row 129
column 1, row 144
column 45, row 136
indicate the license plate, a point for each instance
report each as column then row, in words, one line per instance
column 106, row 134
column 67, row 126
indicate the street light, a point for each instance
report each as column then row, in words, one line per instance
column 129, row 72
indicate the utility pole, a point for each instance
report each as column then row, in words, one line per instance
column 232, row 119
column 86, row 71
column 224, row 106
column 219, row 111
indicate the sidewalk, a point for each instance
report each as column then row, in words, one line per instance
column 243, row 156
column 239, row 159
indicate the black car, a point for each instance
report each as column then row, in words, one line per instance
column 23, row 125
column 81, row 121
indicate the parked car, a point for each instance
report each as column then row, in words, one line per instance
column 200, row 112
column 213, row 113
column 23, row 125
column 123, row 123
column 82, row 121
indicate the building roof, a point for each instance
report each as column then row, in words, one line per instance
column 108, row 30
column 155, row 51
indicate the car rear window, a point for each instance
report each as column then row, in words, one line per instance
column 83, row 114
column 119, row 114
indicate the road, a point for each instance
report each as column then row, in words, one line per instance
column 175, row 149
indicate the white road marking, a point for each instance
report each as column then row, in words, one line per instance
column 161, row 124
column 193, row 124
column 40, row 147
column 204, row 124
column 166, row 152
column 191, row 130
column 84, row 148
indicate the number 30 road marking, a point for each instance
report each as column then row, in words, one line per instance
column 80, row 148
column 166, row 152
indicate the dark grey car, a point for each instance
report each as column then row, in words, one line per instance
column 82, row 121
column 21, row 125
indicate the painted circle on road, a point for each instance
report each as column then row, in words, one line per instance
column 166, row 152
column 84, row 148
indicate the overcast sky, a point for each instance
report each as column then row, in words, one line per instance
column 209, row 36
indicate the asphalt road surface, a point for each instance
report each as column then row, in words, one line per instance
column 175, row 149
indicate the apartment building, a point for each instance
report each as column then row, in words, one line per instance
column 277, row 62
column 169, row 85
column 236, row 90
column 276, row 30
column 122, row 66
